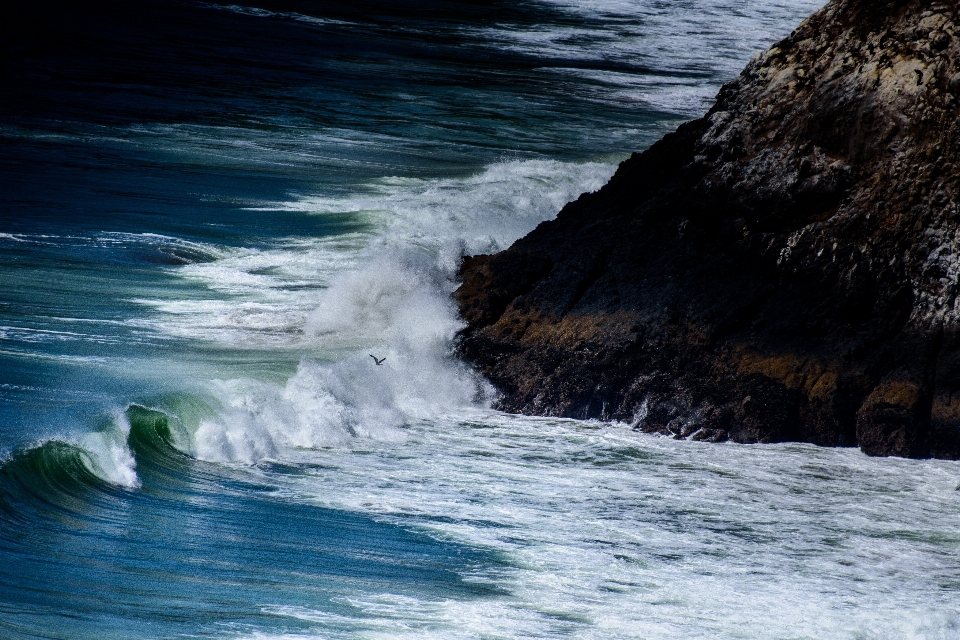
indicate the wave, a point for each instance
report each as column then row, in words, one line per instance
column 408, row 229
column 265, row 13
column 389, row 297
column 384, row 291
column 334, row 404
column 152, row 248
column 65, row 475
column 153, row 439
column 483, row 212
column 55, row 477
column 157, row 248
column 243, row 420
column 631, row 51
column 58, row 476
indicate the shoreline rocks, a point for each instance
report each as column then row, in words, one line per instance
column 783, row 269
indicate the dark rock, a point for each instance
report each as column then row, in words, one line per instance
column 784, row 268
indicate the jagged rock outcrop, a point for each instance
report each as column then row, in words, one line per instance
column 783, row 269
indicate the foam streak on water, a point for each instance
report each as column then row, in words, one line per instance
column 612, row 534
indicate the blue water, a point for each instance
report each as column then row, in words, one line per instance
column 211, row 215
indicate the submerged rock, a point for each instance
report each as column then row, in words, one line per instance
column 783, row 269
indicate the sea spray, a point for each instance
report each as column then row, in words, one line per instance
column 394, row 297
column 397, row 310
column 391, row 299
column 326, row 405
column 262, row 297
column 109, row 456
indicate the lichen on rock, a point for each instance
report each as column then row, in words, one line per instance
column 783, row 269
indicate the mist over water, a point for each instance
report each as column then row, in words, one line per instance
column 213, row 215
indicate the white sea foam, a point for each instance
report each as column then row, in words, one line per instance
column 265, row 13
column 385, row 293
column 697, row 44
column 34, row 335
column 326, row 405
column 486, row 211
column 185, row 250
column 416, row 229
column 108, row 455
column 615, row 534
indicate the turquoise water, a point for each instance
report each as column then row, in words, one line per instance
column 213, row 214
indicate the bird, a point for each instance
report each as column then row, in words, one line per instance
column 379, row 361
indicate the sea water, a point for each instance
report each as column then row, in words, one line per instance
column 211, row 215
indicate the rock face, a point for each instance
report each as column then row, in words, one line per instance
column 783, row 269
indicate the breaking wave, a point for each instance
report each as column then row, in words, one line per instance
column 385, row 293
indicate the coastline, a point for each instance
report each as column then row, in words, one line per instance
column 782, row 269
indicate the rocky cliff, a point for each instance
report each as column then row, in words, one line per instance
column 783, row 269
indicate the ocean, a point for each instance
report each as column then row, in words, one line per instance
column 213, row 215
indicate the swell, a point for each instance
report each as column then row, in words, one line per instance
column 55, row 479
column 151, row 440
column 58, row 479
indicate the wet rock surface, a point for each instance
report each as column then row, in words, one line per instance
column 783, row 269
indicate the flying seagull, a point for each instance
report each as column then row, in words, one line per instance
column 379, row 361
